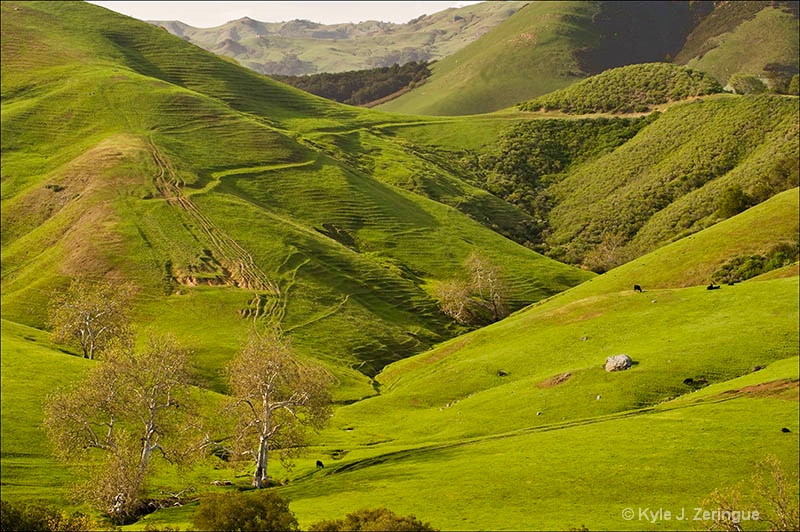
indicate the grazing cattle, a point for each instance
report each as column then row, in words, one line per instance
column 699, row 381
column 501, row 373
column 637, row 288
column 712, row 286
column 784, row 430
column 758, row 368
column 320, row 465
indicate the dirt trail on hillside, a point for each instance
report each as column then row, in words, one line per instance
column 237, row 262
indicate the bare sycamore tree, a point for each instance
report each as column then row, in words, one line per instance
column 127, row 409
column 773, row 494
column 275, row 397
column 90, row 314
column 486, row 280
column 454, row 299
column 479, row 298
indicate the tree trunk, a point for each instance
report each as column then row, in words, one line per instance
column 261, row 477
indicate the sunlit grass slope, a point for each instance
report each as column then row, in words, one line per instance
column 451, row 441
column 692, row 260
column 736, row 39
column 32, row 368
column 525, row 56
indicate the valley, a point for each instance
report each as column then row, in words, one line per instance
column 234, row 203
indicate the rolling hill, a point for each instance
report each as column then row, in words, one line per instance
column 548, row 46
column 301, row 47
column 494, row 55
column 232, row 201
column 731, row 40
column 138, row 156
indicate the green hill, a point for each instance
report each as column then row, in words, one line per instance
column 231, row 200
column 300, row 47
column 550, row 45
column 553, row 418
column 606, row 191
column 628, row 89
column 755, row 38
column 134, row 155
column 544, row 47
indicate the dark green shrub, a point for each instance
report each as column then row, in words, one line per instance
column 627, row 89
column 746, row 84
column 743, row 268
column 244, row 512
column 733, row 201
column 35, row 518
column 794, row 85
column 377, row 519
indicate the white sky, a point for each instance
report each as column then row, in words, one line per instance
column 211, row 14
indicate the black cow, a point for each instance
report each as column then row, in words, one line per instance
column 784, row 429
column 637, row 288
column 320, row 465
column 712, row 286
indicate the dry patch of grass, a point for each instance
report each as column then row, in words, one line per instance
column 554, row 381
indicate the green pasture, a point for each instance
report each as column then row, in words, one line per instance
column 232, row 201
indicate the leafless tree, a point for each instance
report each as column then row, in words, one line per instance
column 454, row 299
column 487, row 283
column 90, row 314
column 275, row 397
column 127, row 409
column 479, row 297
column 772, row 493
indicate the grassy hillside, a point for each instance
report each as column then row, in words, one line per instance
column 606, row 191
column 746, row 37
column 627, row 89
column 548, row 46
column 674, row 174
column 107, row 172
column 544, row 47
column 231, row 200
column 448, row 428
column 694, row 259
column 305, row 47
column 426, row 438
column 527, row 55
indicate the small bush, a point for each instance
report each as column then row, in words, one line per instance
column 742, row 268
column 35, row 518
column 377, row 519
column 746, row 84
column 239, row 512
column 733, row 201
column 794, row 85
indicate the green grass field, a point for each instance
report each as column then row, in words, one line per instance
column 233, row 201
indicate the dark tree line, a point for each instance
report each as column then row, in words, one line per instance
column 359, row 87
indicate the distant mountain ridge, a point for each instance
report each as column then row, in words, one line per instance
column 300, row 47
column 547, row 46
